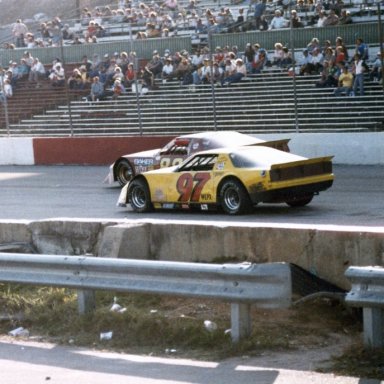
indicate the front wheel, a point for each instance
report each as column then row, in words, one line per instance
column 139, row 196
column 124, row 172
column 300, row 201
column 234, row 198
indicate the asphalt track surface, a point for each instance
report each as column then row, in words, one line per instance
column 38, row 192
column 45, row 192
column 36, row 363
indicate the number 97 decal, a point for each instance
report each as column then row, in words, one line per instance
column 190, row 186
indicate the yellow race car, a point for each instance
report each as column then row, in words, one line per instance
column 231, row 179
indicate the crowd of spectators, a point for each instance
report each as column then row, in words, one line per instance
column 169, row 18
column 115, row 74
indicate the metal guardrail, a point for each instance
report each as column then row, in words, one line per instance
column 264, row 285
column 367, row 291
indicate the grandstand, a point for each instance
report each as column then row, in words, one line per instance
column 272, row 101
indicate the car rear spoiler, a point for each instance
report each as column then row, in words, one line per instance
column 281, row 144
column 313, row 160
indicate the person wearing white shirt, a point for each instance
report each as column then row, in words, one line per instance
column 278, row 21
column 6, row 91
column 37, row 72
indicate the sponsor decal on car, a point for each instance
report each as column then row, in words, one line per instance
column 143, row 161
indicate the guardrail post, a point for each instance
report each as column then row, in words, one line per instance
column 86, row 301
column 373, row 319
column 368, row 292
column 240, row 321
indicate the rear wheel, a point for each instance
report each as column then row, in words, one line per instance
column 300, row 201
column 139, row 196
column 124, row 172
column 234, row 198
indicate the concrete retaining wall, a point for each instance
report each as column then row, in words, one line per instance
column 324, row 250
column 348, row 148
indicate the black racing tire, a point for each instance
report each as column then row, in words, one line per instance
column 234, row 198
column 300, row 201
column 139, row 196
column 124, row 172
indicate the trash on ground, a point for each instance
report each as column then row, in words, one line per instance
column 210, row 325
column 19, row 332
column 106, row 335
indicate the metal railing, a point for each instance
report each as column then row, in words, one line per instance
column 264, row 285
column 368, row 292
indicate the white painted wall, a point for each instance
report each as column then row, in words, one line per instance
column 16, row 151
column 347, row 148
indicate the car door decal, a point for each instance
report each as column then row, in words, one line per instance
column 190, row 186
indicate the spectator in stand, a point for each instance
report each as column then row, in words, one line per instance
column 67, row 32
column 314, row 43
column 305, row 59
column 216, row 74
column 23, row 69
column 19, row 30
column 287, row 58
column 75, row 80
column 118, row 74
column 358, row 70
column 13, row 73
column 37, row 72
column 91, row 30
column 6, row 92
column 278, row 21
column 339, row 55
column 202, row 74
column 44, row 31
column 152, row 70
column 249, row 56
column 229, row 68
column 375, row 74
column 329, row 55
column 361, row 49
column 331, row 19
column 130, row 75
column 260, row 61
column 321, row 18
column 278, row 54
column 315, row 65
column 345, row 82
column 240, row 72
column 295, row 20
column 260, row 8
column 196, row 59
column 30, row 41
column 183, row 70
column 117, row 89
column 328, row 76
column 57, row 75
column 345, row 17
column 97, row 90
column 340, row 43
column 167, row 72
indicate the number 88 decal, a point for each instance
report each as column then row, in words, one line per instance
column 168, row 162
column 190, row 186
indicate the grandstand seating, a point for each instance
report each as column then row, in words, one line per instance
column 262, row 103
